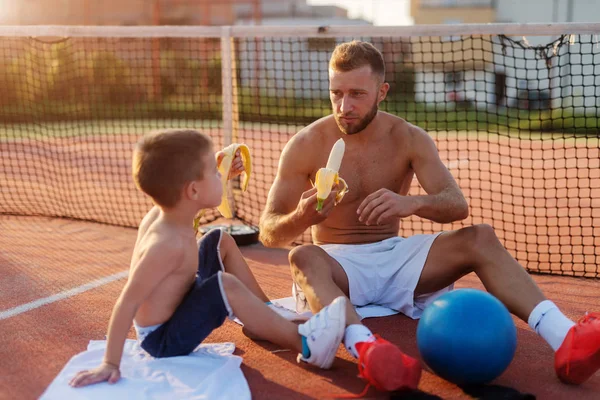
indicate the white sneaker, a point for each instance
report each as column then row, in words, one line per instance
column 324, row 333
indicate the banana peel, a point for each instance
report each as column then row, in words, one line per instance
column 224, row 168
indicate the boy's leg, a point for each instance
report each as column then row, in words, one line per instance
column 219, row 252
column 317, row 340
column 210, row 301
column 235, row 264
column 258, row 317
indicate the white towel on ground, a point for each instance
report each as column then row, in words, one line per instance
column 210, row 372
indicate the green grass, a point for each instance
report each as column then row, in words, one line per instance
column 65, row 119
column 65, row 129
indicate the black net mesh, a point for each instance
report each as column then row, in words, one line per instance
column 515, row 121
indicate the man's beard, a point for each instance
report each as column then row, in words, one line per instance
column 360, row 125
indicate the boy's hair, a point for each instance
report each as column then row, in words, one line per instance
column 164, row 161
column 355, row 54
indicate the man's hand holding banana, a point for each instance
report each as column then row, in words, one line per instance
column 328, row 190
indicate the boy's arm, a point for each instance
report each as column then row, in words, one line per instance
column 153, row 267
column 237, row 165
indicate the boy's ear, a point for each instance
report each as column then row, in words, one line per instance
column 191, row 191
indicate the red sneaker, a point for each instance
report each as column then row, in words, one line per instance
column 578, row 358
column 383, row 365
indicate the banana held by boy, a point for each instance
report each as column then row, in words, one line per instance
column 224, row 168
column 329, row 176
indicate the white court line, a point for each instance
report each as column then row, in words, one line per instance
column 11, row 312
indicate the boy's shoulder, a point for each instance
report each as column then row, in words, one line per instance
column 155, row 237
column 148, row 220
column 158, row 246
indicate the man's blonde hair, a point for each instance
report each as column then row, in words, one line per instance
column 356, row 54
column 165, row 161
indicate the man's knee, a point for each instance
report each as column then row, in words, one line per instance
column 478, row 239
column 300, row 257
column 308, row 259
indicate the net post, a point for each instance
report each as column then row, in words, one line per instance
column 227, row 83
column 229, row 97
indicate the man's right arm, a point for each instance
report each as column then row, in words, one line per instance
column 280, row 223
column 280, row 229
column 291, row 204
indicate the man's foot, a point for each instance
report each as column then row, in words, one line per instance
column 284, row 312
column 383, row 365
column 578, row 358
column 324, row 332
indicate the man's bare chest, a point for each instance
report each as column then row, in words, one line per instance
column 365, row 175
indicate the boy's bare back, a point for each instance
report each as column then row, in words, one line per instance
column 156, row 234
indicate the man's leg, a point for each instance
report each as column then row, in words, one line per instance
column 322, row 279
column 477, row 249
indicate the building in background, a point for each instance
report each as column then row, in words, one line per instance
column 476, row 71
column 453, row 11
column 290, row 67
column 505, row 11
column 158, row 12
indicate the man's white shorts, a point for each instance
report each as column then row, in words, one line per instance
column 385, row 273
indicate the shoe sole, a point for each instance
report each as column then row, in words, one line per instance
column 576, row 367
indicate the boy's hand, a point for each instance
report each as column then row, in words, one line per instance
column 105, row 372
column 237, row 166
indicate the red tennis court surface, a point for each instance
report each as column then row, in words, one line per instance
column 41, row 257
column 541, row 196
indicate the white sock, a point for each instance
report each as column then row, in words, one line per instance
column 356, row 333
column 550, row 323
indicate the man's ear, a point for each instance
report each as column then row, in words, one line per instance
column 383, row 89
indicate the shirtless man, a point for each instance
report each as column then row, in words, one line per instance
column 356, row 250
column 178, row 291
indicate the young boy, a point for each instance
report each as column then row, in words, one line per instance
column 179, row 290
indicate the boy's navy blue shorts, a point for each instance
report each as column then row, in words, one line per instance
column 203, row 309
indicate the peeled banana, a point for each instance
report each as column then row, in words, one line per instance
column 328, row 176
column 224, row 168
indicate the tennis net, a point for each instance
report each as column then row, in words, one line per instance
column 513, row 110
